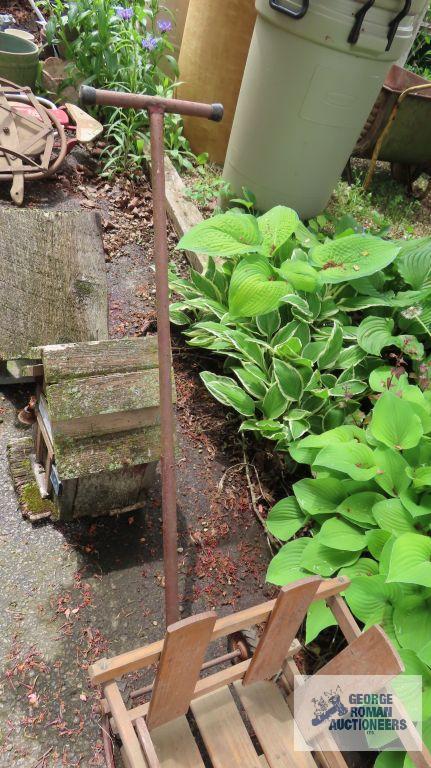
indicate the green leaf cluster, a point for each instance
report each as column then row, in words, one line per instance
column 365, row 512
column 300, row 320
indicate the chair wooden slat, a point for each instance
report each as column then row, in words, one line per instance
column 146, row 743
column 273, row 725
column 282, row 626
column 131, row 745
column 179, row 668
column 223, row 731
column 175, row 745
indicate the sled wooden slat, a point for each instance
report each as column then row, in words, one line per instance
column 272, row 723
column 223, row 731
column 180, row 664
column 147, row 744
column 108, row 669
column 344, row 618
column 371, row 650
column 175, row 745
column 283, row 624
column 131, row 745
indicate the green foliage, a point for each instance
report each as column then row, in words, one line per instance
column 133, row 55
column 367, row 513
column 301, row 320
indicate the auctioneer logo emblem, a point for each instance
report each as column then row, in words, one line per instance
column 358, row 713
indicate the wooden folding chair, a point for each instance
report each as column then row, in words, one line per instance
column 159, row 733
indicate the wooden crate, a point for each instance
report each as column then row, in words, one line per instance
column 97, row 435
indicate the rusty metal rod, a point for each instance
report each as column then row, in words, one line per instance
column 206, row 665
column 169, row 491
column 92, row 97
column 156, row 108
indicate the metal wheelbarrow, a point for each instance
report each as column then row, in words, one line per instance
column 398, row 129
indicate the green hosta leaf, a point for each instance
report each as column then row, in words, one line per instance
column 385, row 378
column 252, row 382
column 344, row 434
column 289, row 380
column 385, row 553
column 287, row 565
column 370, row 598
column 324, row 560
column 225, row 235
column 338, row 534
column 205, row 286
column 285, row 519
column 392, row 476
column 425, row 656
column 414, row 263
column 299, row 274
column 358, row 508
column 395, row 423
column 412, row 622
column 376, row 540
column 363, row 567
column 352, row 257
column 332, row 348
column 353, row 459
column 319, row 617
column 391, row 516
column 421, row 477
column 268, row 324
column 411, row 560
column 319, row 496
column 350, row 357
column 274, row 403
column 389, row 759
column 253, row 288
column 374, row 333
column 226, row 391
column 418, row 507
column 355, row 303
column 276, row 227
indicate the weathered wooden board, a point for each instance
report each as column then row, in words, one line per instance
column 52, row 279
column 76, row 361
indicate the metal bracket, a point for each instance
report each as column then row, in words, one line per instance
column 55, row 480
column 277, row 6
column 395, row 23
column 359, row 20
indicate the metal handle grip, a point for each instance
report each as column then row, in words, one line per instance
column 277, row 6
column 92, row 96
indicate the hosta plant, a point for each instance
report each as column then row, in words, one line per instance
column 366, row 512
column 300, row 323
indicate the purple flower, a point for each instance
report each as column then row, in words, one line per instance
column 164, row 25
column 124, row 13
column 150, row 43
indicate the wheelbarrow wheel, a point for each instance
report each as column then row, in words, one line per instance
column 245, row 642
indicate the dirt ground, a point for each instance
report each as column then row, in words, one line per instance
column 74, row 593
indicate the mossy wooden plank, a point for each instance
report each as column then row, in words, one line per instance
column 98, row 395
column 74, row 361
column 52, row 279
column 76, row 458
column 107, row 423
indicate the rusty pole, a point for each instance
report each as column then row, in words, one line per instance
column 156, row 107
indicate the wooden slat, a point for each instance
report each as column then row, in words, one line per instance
column 273, row 725
column 125, row 728
column 372, row 653
column 175, row 745
column 109, row 669
column 344, row 618
column 329, row 756
column 71, row 361
column 180, row 664
column 223, row 731
column 287, row 616
column 106, row 423
column 263, row 761
column 97, row 395
column 146, row 744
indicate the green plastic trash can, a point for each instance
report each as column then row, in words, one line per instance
column 313, row 73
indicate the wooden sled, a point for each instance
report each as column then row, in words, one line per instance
column 159, row 734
